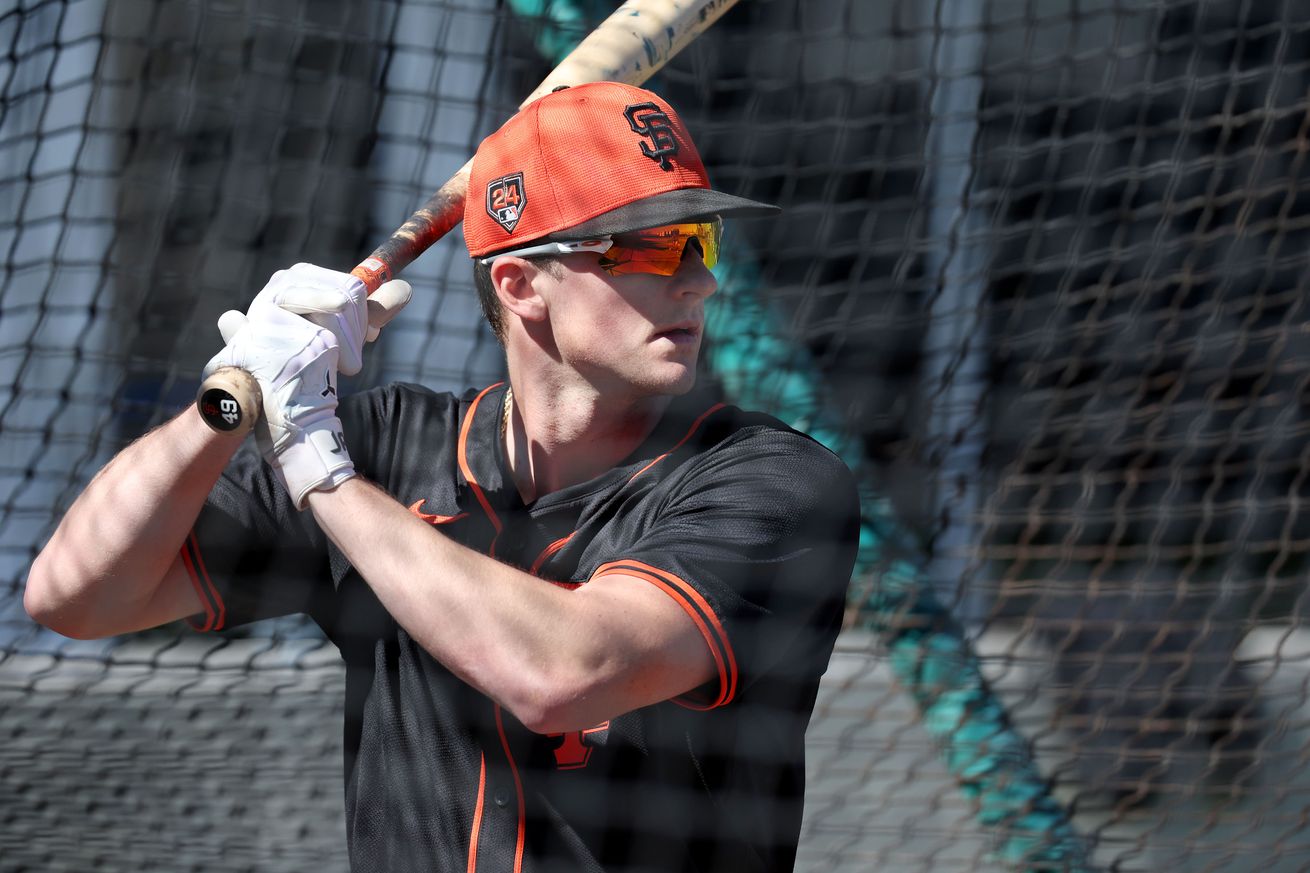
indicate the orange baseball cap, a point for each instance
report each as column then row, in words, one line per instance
column 586, row 161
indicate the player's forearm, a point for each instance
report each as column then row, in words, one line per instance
column 541, row 651
column 103, row 565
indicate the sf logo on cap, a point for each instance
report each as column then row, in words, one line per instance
column 506, row 198
column 650, row 121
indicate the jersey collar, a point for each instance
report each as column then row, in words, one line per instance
column 485, row 465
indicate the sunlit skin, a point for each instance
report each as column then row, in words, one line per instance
column 594, row 360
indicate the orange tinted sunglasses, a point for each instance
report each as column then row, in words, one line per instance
column 656, row 250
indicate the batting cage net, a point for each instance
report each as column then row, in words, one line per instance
column 1040, row 281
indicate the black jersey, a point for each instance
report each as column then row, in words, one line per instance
column 748, row 525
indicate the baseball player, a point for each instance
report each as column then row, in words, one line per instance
column 584, row 611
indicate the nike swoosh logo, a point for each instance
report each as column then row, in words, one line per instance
column 417, row 509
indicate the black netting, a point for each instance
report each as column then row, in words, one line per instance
column 1040, row 280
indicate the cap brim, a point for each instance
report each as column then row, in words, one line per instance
column 672, row 207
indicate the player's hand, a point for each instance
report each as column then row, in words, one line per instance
column 292, row 340
column 337, row 302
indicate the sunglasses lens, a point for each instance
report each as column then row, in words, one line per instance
column 659, row 250
column 710, row 234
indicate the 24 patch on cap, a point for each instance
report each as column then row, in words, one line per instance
column 506, row 200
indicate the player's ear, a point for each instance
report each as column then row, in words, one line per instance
column 513, row 280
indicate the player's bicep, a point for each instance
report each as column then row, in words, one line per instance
column 757, row 544
column 658, row 650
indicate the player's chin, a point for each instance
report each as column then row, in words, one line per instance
column 670, row 378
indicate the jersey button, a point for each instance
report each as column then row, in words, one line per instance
column 500, row 798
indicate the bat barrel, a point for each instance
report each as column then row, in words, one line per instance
column 634, row 42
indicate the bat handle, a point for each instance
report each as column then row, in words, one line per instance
column 230, row 401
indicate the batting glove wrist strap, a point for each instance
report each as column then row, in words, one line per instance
column 315, row 460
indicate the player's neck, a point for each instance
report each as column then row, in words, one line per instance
column 560, row 435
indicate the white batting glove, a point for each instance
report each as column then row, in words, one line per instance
column 295, row 359
column 337, row 302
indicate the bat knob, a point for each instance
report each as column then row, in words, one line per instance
column 229, row 400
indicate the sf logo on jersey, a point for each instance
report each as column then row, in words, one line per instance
column 651, row 122
column 506, row 198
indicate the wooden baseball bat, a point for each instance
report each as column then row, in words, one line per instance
column 629, row 46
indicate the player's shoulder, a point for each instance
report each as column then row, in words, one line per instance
column 735, row 441
column 749, row 463
column 754, row 434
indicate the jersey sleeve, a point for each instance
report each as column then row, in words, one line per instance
column 250, row 554
column 756, row 541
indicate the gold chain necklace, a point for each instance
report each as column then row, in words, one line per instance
column 505, row 411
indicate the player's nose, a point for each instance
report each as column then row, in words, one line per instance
column 693, row 277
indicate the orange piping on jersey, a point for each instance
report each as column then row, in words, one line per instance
column 694, row 426
column 417, row 509
column 548, row 551
column 215, row 609
column 572, row 586
column 462, row 454
column 196, row 584
column 221, row 621
column 518, row 791
column 695, row 606
column 477, row 813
